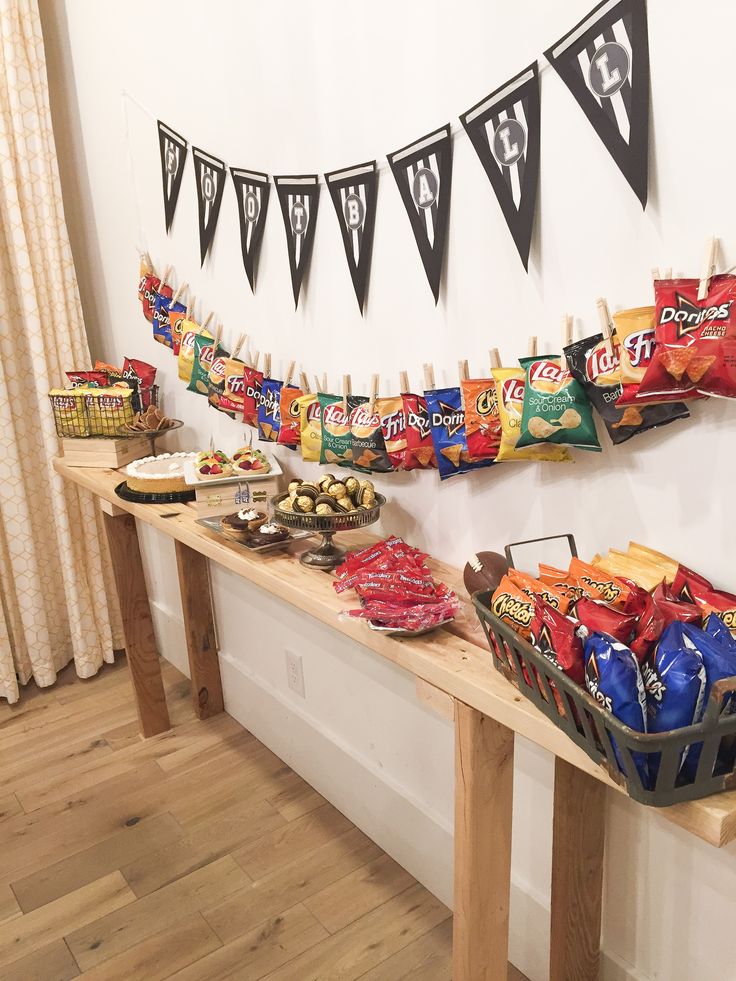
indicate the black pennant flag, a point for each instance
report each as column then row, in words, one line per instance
column 604, row 61
column 504, row 129
column 299, row 200
column 353, row 192
column 210, row 174
column 251, row 189
column 173, row 150
column 423, row 172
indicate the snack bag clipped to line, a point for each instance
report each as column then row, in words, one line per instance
column 144, row 270
column 420, row 453
column 393, row 428
column 336, row 446
column 289, row 433
column 162, row 308
column 510, row 386
column 310, row 427
column 216, row 378
column 188, row 351
column 179, row 324
column 252, row 386
column 696, row 339
column 368, row 444
column 269, row 415
column 447, row 423
column 599, row 372
column 555, row 408
column 147, row 293
column 231, row 397
column 204, row 356
column 482, row 422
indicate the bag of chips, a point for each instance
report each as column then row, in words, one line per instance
column 252, row 388
column 513, row 607
column 420, row 453
column 70, row 413
column 108, row 409
column 310, row 427
column 144, row 270
column 269, row 415
column 216, row 378
column 368, row 444
column 447, row 423
column 179, row 324
column 482, row 422
column 622, row 565
column 290, row 416
column 635, row 333
column 144, row 375
column 90, row 379
column 510, row 387
column 393, row 428
column 613, row 678
column 163, row 304
column 104, row 366
column 599, row 618
column 231, row 398
column 598, row 371
column 189, row 350
column 535, row 587
column 555, row 408
column 613, row 591
column 568, row 585
column 204, row 356
column 696, row 339
column 669, row 566
column 691, row 587
column 147, row 293
column 555, row 637
column 336, row 446
column 661, row 609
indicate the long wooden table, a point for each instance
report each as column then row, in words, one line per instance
column 455, row 676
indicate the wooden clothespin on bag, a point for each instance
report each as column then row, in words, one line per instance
column 324, row 382
column 566, row 338
column 531, row 348
column 217, row 339
column 463, row 372
column 175, row 297
column 208, row 320
column 373, row 395
column 304, row 382
column 709, row 267
column 289, row 374
column 346, row 390
column 494, row 359
column 238, row 345
column 404, row 383
column 604, row 315
column 428, row 378
column 190, row 306
column 165, row 277
column 256, row 359
column 267, row 365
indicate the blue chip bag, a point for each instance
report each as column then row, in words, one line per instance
column 613, row 678
column 269, row 410
column 162, row 306
column 447, row 424
column 674, row 680
column 717, row 629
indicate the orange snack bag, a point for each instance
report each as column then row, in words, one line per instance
column 567, row 584
column 614, row 591
column 513, row 606
column 535, row 587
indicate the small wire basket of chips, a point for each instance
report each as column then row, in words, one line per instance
column 111, row 412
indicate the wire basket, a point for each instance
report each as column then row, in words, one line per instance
column 657, row 780
column 83, row 412
column 326, row 555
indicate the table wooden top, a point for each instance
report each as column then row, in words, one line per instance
column 453, row 659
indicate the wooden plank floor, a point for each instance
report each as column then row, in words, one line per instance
column 196, row 854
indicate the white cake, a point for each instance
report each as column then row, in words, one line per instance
column 162, row 474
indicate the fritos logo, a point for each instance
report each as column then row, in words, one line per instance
column 393, row 425
column 235, row 384
column 640, row 347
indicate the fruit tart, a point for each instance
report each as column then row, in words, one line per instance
column 210, row 466
column 251, row 461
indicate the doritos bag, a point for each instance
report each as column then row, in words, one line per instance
column 555, row 409
column 661, row 609
column 600, row 375
column 188, row 351
column 289, row 415
column 555, row 638
column 393, row 428
column 419, row 446
column 147, row 292
column 599, row 617
column 368, row 444
column 636, row 338
column 162, row 306
column 509, row 384
column 231, row 399
column 310, row 427
column 252, row 386
column 482, row 422
column 447, row 422
column 269, row 415
column 696, row 339
column 144, row 375
column 91, row 379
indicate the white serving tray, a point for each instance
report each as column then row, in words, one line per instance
column 192, row 480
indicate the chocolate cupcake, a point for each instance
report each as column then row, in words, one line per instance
column 243, row 522
column 268, row 534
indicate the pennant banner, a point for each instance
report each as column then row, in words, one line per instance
column 504, row 129
column 210, row 174
column 173, row 150
column 353, row 192
column 604, row 61
column 251, row 189
column 299, row 200
column 423, row 172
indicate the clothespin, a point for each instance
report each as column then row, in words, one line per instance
column 374, row 394
column 304, row 381
column 317, row 383
column 531, row 349
column 709, row 266
column 218, row 337
column 324, row 382
column 428, row 377
column 256, row 359
column 208, row 321
column 655, row 273
column 494, row 358
column 604, row 315
column 566, row 338
column 463, row 370
column 267, row 365
column 190, row 306
column 404, row 383
column 184, row 286
column 149, row 262
column 289, row 373
column 346, row 390
column 165, row 277
column 668, row 273
column 238, row 345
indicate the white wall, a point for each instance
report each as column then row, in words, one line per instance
column 323, row 85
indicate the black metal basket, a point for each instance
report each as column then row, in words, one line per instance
column 80, row 412
column 608, row 741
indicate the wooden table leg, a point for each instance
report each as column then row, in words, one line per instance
column 484, row 773
column 140, row 643
column 199, row 626
column 577, row 874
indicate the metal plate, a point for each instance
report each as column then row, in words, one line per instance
column 213, row 524
column 330, row 523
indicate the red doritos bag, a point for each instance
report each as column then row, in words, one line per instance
column 696, row 339
column 252, row 384
column 555, row 637
column 419, row 446
column 148, row 291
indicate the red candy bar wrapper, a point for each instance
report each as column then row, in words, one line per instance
column 696, row 339
column 554, row 637
column 252, row 385
column 598, row 617
column 419, row 446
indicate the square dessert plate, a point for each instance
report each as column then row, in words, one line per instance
column 192, row 480
column 213, row 524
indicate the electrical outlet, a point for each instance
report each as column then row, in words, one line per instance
column 295, row 673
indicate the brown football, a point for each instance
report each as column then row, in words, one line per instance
column 484, row 571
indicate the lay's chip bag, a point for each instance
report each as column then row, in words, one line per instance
column 180, row 324
column 510, row 386
column 188, row 350
column 337, row 441
column 556, row 409
column 204, row 355
column 310, row 427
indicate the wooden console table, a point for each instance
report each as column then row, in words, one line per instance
column 455, row 676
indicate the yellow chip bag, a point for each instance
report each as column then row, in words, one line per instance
column 510, row 397
column 108, row 409
column 70, row 413
column 310, row 427
column 187, row 351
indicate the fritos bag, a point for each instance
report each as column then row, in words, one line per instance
column 368, row 444
column 310, row 427
column 555, row 408
column 635, row 334
column 231, row 399
column 269, row 416
column 252, row 386
column 290, row 416
column 144, row 270
column 599, row 372
column 696, row 339
column 510, row 387
column 419, row 447
column 393, row 427
column 188, row 351
column 482, row 422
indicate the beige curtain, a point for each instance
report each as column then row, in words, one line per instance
column 54, row 572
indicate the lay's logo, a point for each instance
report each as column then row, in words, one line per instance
column 602, row 367
column 218, row 366
column 512, row 393
column 547, row 376
column 314, row 411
